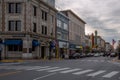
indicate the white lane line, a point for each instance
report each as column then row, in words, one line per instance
column 72, row 70
column 82, row 72
column 96, row 73
column 47, row 69
column 44, row 76
column 109, row 75
column 38, row 68
column 58, row 69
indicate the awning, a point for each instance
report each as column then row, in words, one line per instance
column 13, row 42
column 35, row 43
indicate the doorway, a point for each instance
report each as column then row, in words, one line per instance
column 42, row 52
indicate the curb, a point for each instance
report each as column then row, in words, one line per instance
column 11, row 61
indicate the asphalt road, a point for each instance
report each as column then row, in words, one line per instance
column 93, row 68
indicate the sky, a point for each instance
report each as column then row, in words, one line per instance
column 100, row 15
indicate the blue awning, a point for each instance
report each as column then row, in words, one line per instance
column 35, row 43
column 13, row 42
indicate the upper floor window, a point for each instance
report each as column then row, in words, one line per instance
column 35, row 10
column 15, row 7
column 14, row 25
column 44, row 15
column 65, row 26
column 44, row 30
column 59, row 23
column 34, row 27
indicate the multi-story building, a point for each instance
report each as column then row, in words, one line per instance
column 62, row 33
column 76, row 31
column 26, row 28
column 50, row 2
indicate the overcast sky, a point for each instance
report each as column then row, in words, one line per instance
column 100, row 15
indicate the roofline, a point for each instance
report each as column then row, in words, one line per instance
column 48, row 5
column 74, row 15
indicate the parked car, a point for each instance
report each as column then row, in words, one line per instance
column 113, row 55
column 74, row 56
column 96, row 55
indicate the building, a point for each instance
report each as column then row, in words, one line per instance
column 76, row 31
column 26, row 28
column 50, row 2
column 62, row 33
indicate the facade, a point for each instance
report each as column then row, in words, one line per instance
column 107, row 47
column 76, row 31
column 27, row 27
column 50, row 2
column 100, row 44
column 62, row 33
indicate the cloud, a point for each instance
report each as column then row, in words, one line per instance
column 101, row 15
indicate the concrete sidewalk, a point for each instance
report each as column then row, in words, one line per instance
column 116, row 60
column 27, row 60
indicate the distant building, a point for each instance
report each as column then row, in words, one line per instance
column 26, row 27
column 76, row 31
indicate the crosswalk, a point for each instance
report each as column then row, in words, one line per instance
column 66, row 70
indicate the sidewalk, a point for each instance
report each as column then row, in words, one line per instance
column 27, row 60
column 116, row 60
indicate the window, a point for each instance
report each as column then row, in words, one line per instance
column 15, row 7
column 44, row 15
column 59, row 23
column 65, row 26
column 44, row 30
column 35, row 10
column 14, row 47
column 59, row 36
column 14, row 25
column 34, row 27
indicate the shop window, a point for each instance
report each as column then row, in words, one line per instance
column 14, row 47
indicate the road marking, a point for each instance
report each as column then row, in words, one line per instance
column 96, row 73
column 82, row 72
column 38, row 68
column 58, row 69
column 44, row 76
column 109, row 75
column 47, row 69
column 67, row 71
column 9, row 73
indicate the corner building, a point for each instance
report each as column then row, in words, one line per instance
column 26, row 28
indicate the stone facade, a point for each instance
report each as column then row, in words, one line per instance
column 36, row 22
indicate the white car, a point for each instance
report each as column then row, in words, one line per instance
column 96, row 55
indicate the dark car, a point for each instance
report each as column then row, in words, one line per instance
column 113, row 55
column 74, row 56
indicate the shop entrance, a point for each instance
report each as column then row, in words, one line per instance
column 42, row 51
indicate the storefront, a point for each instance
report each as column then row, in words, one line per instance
column 63, row 49
column 72, row 48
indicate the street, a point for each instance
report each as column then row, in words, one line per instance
column 90, row 68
